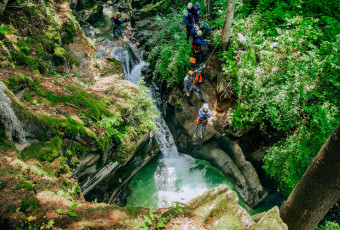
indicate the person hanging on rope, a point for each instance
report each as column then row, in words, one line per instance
column 205, row 30
column 204, row 115
column 197, row 14
column 190, row 85
column 198, row 50
column 189, row 22
column 198, row 78
column 117, row 22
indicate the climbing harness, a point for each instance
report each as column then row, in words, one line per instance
column 201, row 120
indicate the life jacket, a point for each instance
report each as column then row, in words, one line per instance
column 201, row 120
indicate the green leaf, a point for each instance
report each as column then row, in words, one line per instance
column 72, row 213
column 73, row 206
column 60, row 211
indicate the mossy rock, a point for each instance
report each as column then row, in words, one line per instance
column 44, row 151
column 59, row 55
column 227, row 222
column 35, row 127
column 18, row 82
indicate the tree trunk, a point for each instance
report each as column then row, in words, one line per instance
column 208, row 9
column 318, row 189
column 227, row 24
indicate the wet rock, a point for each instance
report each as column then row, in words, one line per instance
column 227, row 156
column 113, row 189
column 89, row 30
column 104, row 48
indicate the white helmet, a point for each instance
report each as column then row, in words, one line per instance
column 199, row 33
column 185, row 12
column 197, row 28
column 190, row 5
column 205, row 106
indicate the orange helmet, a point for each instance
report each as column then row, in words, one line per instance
column 115, row 16
column 191, row 72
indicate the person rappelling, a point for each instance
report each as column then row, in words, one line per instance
column 198, row 75
column 116, row 21
column 189, row 22
column 190, row 85
column 197, row 13
column 204, row 115
column 198, row 50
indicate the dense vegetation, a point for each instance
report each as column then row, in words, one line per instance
column 283, row 66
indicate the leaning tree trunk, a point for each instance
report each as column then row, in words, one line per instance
column 318, row 189
column 227, row 24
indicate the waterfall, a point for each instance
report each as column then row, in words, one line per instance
column 177, row 177
column 132, row 62
column 8, row 118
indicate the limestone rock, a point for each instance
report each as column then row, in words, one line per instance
column 271, row 220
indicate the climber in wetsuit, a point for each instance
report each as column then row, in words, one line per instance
column 117, row 22
column 204, row 115
column 189, row 22
column 190, row 85
column 198, row 50
column 197, row 14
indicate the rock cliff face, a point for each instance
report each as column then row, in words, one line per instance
column 216, row 148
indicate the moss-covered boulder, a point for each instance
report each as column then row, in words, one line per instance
column 219, row 209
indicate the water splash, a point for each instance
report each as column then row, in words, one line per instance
column 12, row 124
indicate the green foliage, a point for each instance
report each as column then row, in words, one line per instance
column 329, row 226
column 285, row 72
column 170, row 53
column 149, row 221
column 69, row 29
column 29, row 205
column 7, row 29
column 70, row 213
column 30, row 224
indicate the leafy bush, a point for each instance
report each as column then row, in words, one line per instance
column 285, row 72
column 170, row 54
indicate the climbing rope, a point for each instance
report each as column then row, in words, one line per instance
column 210, row 55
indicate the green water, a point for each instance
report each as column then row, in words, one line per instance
column 145, row 192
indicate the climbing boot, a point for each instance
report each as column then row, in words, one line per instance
column 194, row 135
column 202, row 135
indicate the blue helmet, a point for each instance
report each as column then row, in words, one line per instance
column 197, row 4
column 202, row 23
